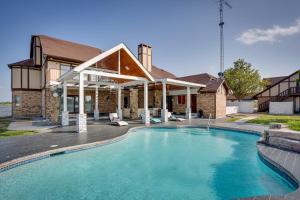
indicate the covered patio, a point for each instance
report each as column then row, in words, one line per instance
column 118, row 69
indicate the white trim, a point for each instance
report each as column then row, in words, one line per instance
column 179, row 82
column 131, row 83
column 121, row 76
column 97, row 83
column 101, row 56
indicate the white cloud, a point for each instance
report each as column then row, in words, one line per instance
column 254, row 35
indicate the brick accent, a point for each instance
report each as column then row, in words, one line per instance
column 207, row 103
column 220, row 105
column 30, row 105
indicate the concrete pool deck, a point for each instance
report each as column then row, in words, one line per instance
column 20, row 149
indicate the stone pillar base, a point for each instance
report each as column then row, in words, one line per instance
column 188, row 113
column 96, row 114
column 146, row 117
column 65, row 118
column 164, row 115
column 81, row 123
column 120, row 114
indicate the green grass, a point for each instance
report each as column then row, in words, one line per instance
column 293, row 122
column 5, row 103
column 4, row 123
column 233, row 119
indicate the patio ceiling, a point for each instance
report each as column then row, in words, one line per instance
column 117, row 64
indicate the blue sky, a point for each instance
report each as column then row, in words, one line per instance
column 184, row 35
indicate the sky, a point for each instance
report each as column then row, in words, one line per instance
column 184, row 34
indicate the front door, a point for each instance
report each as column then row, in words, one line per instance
column 194, row 103
column 169, row 104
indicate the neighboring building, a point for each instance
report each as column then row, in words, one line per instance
column 211, row 99
column 280, row 89
column 33, row 94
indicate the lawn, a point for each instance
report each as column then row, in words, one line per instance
column 235, row 117
column 293, row 122
column 5, row 103
column 4, row 123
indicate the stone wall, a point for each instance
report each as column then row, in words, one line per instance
column 178, row 108
column 30, row 104
column 157, row 98
column 52, row 106
column 207, row 103
column 134, row 103
column 151, row 98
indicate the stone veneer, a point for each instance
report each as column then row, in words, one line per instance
column 30, row 105
column 134, row 103
column 52, row 106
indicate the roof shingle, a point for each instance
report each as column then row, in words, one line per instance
column 212, row 83
column 58, row 48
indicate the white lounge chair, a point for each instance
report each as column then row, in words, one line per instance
column 174, row 118
column 115, row 120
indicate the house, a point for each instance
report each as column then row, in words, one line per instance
column 280, row 89
column 49, row 83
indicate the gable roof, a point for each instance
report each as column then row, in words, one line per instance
column 83, row 66
column 212, row 83
column 159, row 73
column 54, row 47
column 274, row 80
column 286, row 77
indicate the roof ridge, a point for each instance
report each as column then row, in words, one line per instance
column 62, row 40
column 198, row 75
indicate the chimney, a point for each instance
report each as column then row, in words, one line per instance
column 145, row 56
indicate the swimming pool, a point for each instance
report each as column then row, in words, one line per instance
column 151, row 163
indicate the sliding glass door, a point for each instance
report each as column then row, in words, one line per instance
column 73, row 104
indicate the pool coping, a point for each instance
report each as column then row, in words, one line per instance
column 70, row 149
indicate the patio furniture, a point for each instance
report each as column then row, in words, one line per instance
column 174, row 118
column 115, row 120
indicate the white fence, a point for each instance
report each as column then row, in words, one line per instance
column 241, row 107
column 286, row 108
column 232, row 110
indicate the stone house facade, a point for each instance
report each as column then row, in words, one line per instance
column 33, row 94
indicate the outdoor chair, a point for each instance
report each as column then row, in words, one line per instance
column 115, row 120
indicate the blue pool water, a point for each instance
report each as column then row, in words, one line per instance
column 151, row 163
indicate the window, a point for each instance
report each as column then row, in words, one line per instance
column 64, row 68
column 17, row 100
column 181, row 99
column 88, row 104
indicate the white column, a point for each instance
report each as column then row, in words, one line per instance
column 146, row 118
column 188, row 103
column 65, row 113
column 119, row 111
column 164, row 112
column 96, row 110
column 81, row 117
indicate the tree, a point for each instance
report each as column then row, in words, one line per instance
column 243, row 80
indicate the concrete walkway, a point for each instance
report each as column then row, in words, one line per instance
column 19, row 146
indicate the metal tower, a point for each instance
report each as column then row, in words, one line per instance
column 221, row 25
